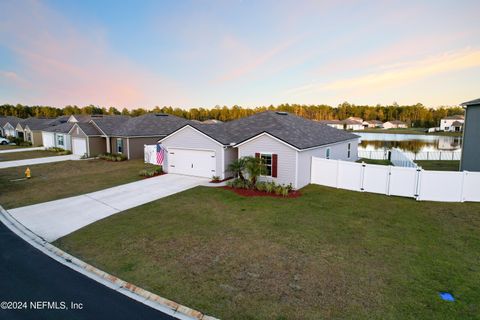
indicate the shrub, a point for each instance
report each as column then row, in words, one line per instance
column 278, row 190
column 112, row 157
column 285, row 190
column 151, row 172
column 270, row 187
column 215, row 179
column 261, row 186
column 158, row 169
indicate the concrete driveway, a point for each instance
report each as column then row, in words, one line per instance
column 55, row 219
column 29, row 162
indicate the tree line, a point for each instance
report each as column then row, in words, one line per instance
column 415, row 115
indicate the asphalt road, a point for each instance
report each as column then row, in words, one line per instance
column 27, row 275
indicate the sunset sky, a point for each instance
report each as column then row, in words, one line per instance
column 249, row 53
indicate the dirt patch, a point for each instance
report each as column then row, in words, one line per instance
column 256, row 193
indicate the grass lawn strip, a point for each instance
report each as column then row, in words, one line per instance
column 53, row 181
column 439, row 165
column 328, row 254
column 12, row 156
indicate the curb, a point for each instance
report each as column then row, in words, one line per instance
column 130, row 290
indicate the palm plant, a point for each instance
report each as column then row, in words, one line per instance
column 254, row 167
column 237, row 167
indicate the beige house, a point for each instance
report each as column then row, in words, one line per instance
column 395, row 124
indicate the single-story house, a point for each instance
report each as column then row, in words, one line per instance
column 87, row 140
column 395, row 124
column 129, row 135
column 373, row 124
column 32, row 128
column 471, row 137
column 7, row 126
column 58, row 136
column 358, row 119
column 284, row 141
column 351, row 124
column 452, row 123
column 337, row 124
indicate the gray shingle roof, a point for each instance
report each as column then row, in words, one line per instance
column 39, row 123
column 61, row 128
column 110, row 125
column 150, row 124
column 89, row 129
column 9, row 119
column 456, row 117
column 471, row 103
column 294, row 130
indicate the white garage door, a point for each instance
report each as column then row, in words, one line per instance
column 48, row 139
column 79, row 146
column 200, row 163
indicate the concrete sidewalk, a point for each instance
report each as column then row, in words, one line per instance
column 22, row 149
column 29, row 162
column 55, row 219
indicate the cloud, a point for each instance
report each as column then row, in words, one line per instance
column 397, row 74
column 74, row 64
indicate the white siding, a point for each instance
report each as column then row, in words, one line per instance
column 188, row 138
column 286, row 163
column 231, row 154
column 338, row 151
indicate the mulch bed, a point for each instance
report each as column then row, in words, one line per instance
column 155, row 175
column 220, row 181
column 256, row 193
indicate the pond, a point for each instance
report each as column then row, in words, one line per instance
column 408, row 142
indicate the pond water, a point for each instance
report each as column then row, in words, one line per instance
column 408, row 142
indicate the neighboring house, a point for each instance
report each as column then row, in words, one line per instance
column 58, row 136
column 471, row 136
column 284, row 141
column 128, row 136
column 32, row 128
column 358, row 119
column 351, row 124
column 210, row 121
column 7, row 126
column 452, row 123
column 337, row 124
column 87, row 140
column 395, row 124
column 373, row 124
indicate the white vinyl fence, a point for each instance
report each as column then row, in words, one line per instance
column 150, row 154
column 424, row 155
column 397, row 181
column 400, row 159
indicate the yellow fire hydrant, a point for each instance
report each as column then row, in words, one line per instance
column 27, row 173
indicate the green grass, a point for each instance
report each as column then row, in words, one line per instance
column 8, row 147
column 10, row 156
column 375, row 161
column 411, row 131
column 443, row 165
column 329, row 254
column 53, row 181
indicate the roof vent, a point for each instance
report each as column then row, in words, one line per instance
column 281, row 113
column 161, row 115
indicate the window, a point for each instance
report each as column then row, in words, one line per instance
column 267, row 160
column 60, row 140
column 119, row 145
column 327, row 153
column 348, row 150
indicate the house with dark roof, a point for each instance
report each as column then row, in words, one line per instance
column 31, row 128
column 373, row 124
column 471, row 136
column 58, row 133
column 7, row 126
column 284, row 141
column 121, row 134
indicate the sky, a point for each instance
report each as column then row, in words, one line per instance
column 236, row 52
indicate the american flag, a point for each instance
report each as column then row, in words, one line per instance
column 160, row 153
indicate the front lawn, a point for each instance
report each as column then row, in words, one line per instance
column 10, row 146
column 52, row 181
column 10, row 156
column 328, row 254
column 440, row 165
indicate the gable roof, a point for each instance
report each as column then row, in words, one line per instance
column 61, row 128
column 39, row 123
column 9, row 119
column 471, row 103
column 110, row 125
column 457, row 124
column 150, row 124
column 296, row 131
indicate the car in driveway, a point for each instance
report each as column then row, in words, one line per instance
column 4, row 141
